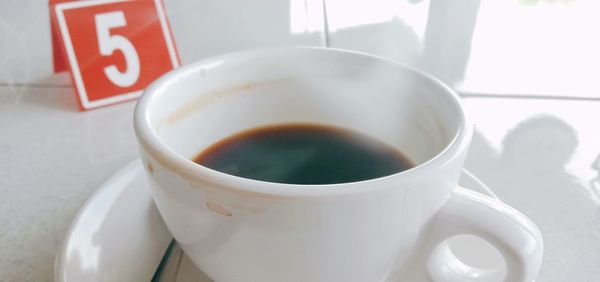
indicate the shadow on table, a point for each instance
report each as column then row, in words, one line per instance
column 528, row 172
column 595, row 182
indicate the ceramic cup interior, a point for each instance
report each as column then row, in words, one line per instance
column 193, row 108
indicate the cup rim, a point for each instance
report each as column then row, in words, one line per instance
column 161, row 153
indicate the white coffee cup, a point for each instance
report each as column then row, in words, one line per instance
column 238, row 229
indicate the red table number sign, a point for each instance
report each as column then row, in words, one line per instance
column 114, row 48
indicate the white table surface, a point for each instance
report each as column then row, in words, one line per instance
column 535, row 101
column 537, row 155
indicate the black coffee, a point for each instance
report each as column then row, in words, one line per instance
column 303, row 154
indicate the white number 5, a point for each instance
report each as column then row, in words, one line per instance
column 109, row 43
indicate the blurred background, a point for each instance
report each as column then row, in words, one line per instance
column 517, row 47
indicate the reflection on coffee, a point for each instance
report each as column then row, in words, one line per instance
column 303, row 154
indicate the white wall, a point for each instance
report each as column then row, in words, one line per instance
column 201, row 28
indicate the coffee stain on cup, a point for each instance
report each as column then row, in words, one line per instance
column 218, row 208
column 193, row 106
column 150, row 168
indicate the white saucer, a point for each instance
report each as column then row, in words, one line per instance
column 118, row 235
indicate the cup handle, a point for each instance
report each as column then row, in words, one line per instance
column 514, row 235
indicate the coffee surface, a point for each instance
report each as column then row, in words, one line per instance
column 303, row 154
